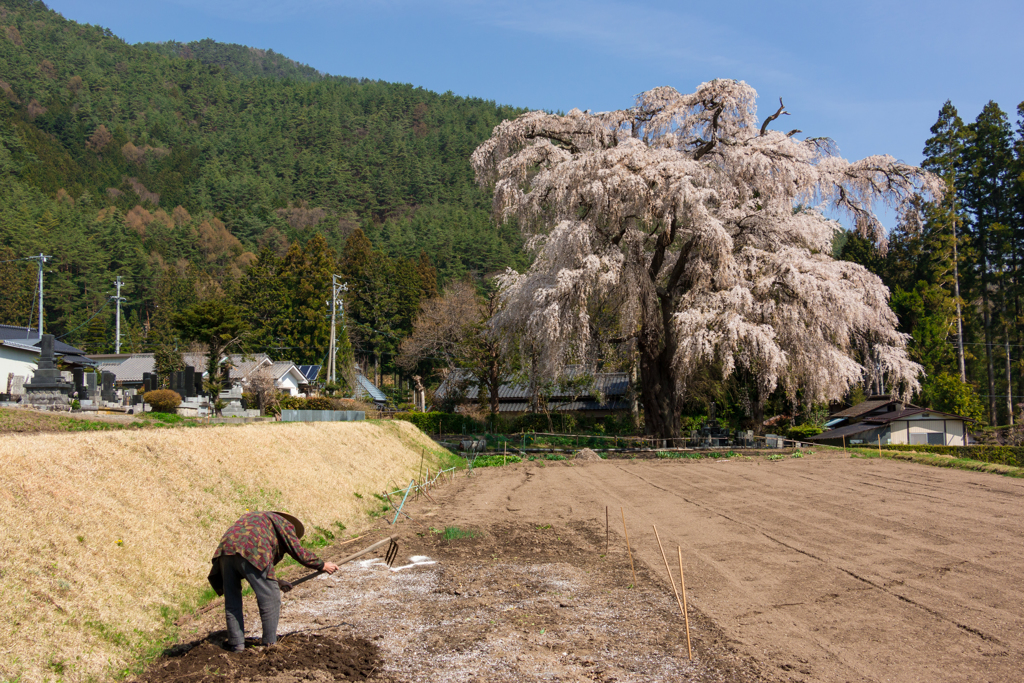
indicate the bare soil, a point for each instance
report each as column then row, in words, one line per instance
column 813, row 569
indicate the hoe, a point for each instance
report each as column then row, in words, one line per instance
column 389, row 559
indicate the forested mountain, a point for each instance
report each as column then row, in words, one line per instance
column 187, row 160
column 239, row 60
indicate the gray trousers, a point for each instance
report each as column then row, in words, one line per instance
column 268, row 596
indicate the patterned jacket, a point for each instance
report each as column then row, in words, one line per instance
column 262, row 538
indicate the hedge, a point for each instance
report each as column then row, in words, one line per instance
column 1004, row 455
column 446, row 423
column 803, row 432
column 455, row 423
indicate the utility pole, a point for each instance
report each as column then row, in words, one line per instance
column 117, row 325
column 42, row 259
column 336, row 301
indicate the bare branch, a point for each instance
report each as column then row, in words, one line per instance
column 780, row 112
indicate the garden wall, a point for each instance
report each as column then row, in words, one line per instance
column 107, row 536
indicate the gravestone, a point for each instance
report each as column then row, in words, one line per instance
column 189, row 388
column 108, row 386
column 18, row 386
column 199, row 384
column 47, row 387
column 90, row 386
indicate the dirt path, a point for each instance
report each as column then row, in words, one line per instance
column 828, row 570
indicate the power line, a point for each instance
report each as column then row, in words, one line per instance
column 98, row 311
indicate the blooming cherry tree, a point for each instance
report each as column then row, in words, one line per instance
column 708, row 229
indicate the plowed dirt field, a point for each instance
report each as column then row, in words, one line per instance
column 813, row 569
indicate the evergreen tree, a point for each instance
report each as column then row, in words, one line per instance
column 986, row 198
column 305, row 326
column 944, row 156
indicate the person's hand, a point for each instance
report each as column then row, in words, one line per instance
column 330, row 567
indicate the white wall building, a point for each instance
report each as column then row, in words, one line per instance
column 18, row 359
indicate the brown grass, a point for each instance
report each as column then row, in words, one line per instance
column 108, row 535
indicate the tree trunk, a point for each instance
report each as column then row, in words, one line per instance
column 1009, row 379
column 956, row 295
column 987, row 322
column 658, row 391
column 494, row 381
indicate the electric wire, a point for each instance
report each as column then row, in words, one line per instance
column 98, row 311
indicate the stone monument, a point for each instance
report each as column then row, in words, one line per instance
column 107, row 393
column 47, row 388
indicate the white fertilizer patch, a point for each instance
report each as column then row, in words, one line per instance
column 415, row 561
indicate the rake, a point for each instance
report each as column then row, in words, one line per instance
column 389, row 559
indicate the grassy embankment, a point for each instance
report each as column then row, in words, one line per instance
column 938, row 460
column 108, row 534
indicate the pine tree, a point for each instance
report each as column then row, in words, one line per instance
column 987, row 199
column 944, row 156
column 262, row 293
column 305, row 274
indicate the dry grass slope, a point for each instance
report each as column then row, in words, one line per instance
column 107, row 535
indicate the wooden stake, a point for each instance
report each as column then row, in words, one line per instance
column 686, row 615
column 879, row 445
column 628, row 550
column 607, row 531
column 844, row 445
column 667, row 569
column 504, row 455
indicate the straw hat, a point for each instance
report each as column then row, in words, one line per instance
column 299, row 529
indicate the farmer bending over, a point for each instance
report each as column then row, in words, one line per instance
column 250, row 549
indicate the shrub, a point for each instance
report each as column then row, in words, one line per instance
column 449, row 423
column 535, row 422
column 319, row 403
column 352, row 404
column 804, row 431
column 289, row 402
column 163, row 400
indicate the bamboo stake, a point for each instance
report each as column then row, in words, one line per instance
column 686, row 614
column 426, row 492
column 607, row 530
column 667, row 569
column 628, row 550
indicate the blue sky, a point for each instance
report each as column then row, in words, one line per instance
column 870, row 74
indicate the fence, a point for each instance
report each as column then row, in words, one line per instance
column 322, row 415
